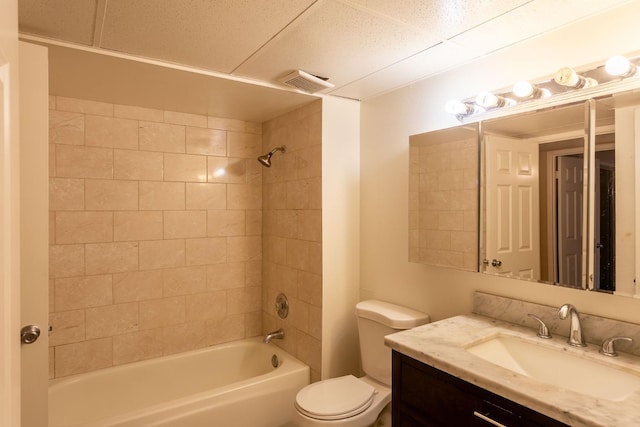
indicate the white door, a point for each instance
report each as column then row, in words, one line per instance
column 34, row 235
column 9, row 218
column 570, row 185
column 512, row 207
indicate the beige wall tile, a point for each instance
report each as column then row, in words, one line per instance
column 102, row 258
column 111, row 320
column 185, row 167
column 211, row 305
column 52, row 160
column 253, row 324
column 185, row 224
column 309, row 225
column 68, row 327
column 244, row 145
column 242, row 248
column 83, row 162
column 162, row 195
column 186, row 119
column 244, row 196
column 82, row 292
column 162, row 312
column 226, row 276
column 66, row 194
column 137, row 286
column 212, row 250
column 310, row 288
column 309, row 162
column 162, row 254
column 83, row 227
column 137, row 225
column 184, row 280
column 138, row 113
column 253, row 220
column 244, row 300
column 66, row 260
column 84, row 106
column 211, row 142
column 226, row 124
column 227, row 170
column 227, row 329
column 141, row 345
column 111, row 132
column 111, row 195
column 253, row 127
column 206, row 196
column 226, row 223
column 66, row 128
column 137, row 165
column 82, row 357
column 184, row 337
column 162, row 137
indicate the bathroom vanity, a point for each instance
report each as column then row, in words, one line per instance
column 475, row 370
column 426, row 396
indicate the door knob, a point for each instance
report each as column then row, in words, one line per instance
column 29, row 334
column 496, row 263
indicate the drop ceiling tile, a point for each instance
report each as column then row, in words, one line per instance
column 68, row 20
column 339, row 41
column 425, row 64
column 530, row 20
column 444, row 17
column 214, row 35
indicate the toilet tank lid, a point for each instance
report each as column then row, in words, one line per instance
column 392, row 315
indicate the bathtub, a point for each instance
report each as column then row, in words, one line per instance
column 226, row 385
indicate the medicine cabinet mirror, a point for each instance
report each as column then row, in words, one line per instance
column 554, row 199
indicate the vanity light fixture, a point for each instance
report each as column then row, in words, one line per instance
column 620, row 66
column 567, row 76
column 526, row 90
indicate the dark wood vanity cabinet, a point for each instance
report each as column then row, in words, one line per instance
column 424, row 396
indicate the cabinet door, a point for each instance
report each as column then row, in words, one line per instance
column 427, row 397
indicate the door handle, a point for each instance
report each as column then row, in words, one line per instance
column 29, row 334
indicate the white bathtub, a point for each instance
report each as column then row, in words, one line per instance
column 227, row 385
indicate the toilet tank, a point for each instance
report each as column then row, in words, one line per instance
column 375, row 320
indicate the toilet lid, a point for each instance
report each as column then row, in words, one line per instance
column 335, row 398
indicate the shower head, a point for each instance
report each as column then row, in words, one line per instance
column 265, row 160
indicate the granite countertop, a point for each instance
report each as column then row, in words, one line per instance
column 442, row 345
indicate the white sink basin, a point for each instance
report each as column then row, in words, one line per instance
column 564, row 369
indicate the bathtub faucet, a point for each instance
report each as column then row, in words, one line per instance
column 279, row 334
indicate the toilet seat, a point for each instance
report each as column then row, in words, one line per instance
column 335, row 399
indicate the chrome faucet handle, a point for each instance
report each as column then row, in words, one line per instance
column 608, row 346
column 543, row 331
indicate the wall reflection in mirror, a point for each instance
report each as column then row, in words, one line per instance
column 556, row 197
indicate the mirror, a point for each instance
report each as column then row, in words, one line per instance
column 443, row 197
column 555, row 202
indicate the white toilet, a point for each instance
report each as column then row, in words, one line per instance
column 359, row 402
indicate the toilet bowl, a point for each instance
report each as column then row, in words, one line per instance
column 348, row 401
column 343, row 401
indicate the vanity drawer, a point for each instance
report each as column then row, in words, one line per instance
column 424, row 396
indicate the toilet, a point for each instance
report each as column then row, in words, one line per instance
column 359, row 402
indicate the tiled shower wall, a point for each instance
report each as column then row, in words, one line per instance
column 155, row 233
column 292, row 231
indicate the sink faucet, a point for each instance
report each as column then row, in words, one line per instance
column 575, row 331
column 279, row 334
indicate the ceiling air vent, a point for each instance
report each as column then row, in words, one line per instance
column 306, row 82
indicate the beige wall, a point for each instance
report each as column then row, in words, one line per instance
column 292, row 264
column 155, row 233
column 387, row 123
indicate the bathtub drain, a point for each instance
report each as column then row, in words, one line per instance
column 274, row 361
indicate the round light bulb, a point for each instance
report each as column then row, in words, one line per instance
column 523, row 89
column 487, row 100
column 567, row 76
column 619, row 66
column 455, row 106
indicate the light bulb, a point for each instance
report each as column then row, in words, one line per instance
column 457, row 107
column 490, row 100
column 619, row 66
column 523, row 89
column 567, row 76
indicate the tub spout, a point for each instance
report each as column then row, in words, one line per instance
column 279, row 334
